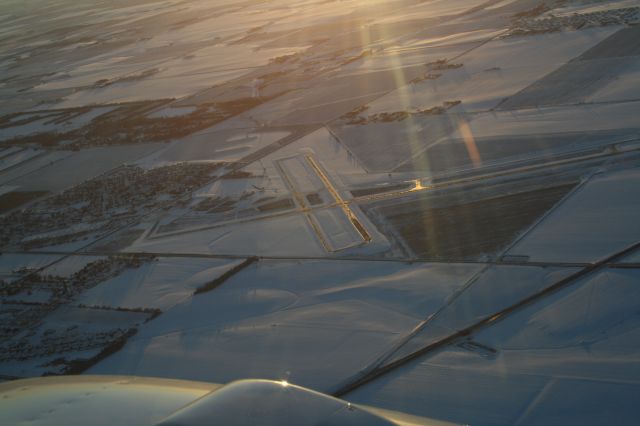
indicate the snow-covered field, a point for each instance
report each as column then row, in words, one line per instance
column 492, row 72
column 71, row 332
column 283, row 320
column 80, row 166
column 600, row 219
column 371, row 198
column 12, row 264
column 554, row 120
column 13, row 159
column 224, row 146
column 491, row 290
column 279, row 236
column 571, row 358
column 50, row 123
column 161, row 284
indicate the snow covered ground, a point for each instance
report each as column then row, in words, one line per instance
column 312, row 323
column 569, row 358
column 27, row 167
column 12, row 265
column 57, row 122
column 160, row 284
column 491, row 290
column 223, row 146
column 492, row 72
column 72, row 333
column 278, row 236
column 553, row 119
column 342, row 165
column 12, row 160
column 77, row 167
column 595, row 222
column 334, row 136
